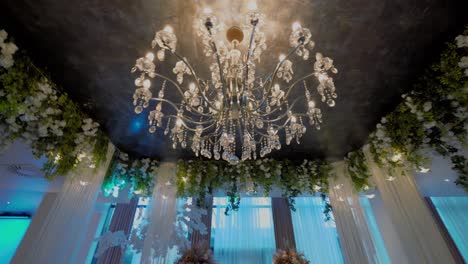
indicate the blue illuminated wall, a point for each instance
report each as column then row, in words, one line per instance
column 12, row 230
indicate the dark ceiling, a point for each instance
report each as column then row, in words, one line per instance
column 379, row 47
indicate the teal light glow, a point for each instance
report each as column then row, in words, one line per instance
column 454, row 213
column 246, row 236
column 12, row 230
column 315, row 237
column 381, row 251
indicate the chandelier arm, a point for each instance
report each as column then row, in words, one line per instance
column 195, row 76
column 183, row 123
column 188, row 121
column 272, row 77
column 181, row 94
column 286, row 113
column 296, row 82
column 184, row 117
column 278, row 127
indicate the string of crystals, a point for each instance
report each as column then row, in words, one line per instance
column 235, row 115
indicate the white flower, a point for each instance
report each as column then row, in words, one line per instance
column 462, row 41
column 427, row 106
column 3, row 35
column 9, row 48
column 429, row 125
column 463, row 62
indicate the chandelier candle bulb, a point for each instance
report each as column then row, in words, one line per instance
column 146, row 84
column 235, row 115
column 168, row 29
column 150, row 56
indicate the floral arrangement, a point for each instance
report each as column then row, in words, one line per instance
column 289, row 256
column 198, row 178
column 35, row 110
column 136, row 174
column 434, row 115
column 197, row 254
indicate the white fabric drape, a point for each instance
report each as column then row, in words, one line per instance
column 161, row 234
column 355, row 238
column 315, row 237
column 246, row 236
column 419, row 235
column 454, row 214
column 67, row 219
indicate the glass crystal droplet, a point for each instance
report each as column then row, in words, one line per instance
column 331, row 102
column 138, row 109
column 183, row 144
column 161, row 55
column 217, row 156
column 152, row 129
column 259, row 123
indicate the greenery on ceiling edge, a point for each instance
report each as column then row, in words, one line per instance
column 432, row 116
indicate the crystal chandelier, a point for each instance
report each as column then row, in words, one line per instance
column 235, row 115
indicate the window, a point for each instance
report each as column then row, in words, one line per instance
column 379, row 244
column 453, row 212
column 12, row 230
column 245, row 236
column 315, row 237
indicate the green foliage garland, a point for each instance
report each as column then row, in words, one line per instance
column 137, row 174
column 433, row 115
column 199, row 178
column 35, row 110
column 358, row 170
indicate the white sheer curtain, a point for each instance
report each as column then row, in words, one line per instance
column 355, row 238
column 454, row 213
column 419, row 235
column 246, row 236
column 379, row 244
column 160, row 236
column 67, row 220
column 315, row 237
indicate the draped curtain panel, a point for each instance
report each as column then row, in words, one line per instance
column 122, row 219
column 376, row 234
column 245, row 236
column 419, row 235
column 355, row 238
column 315, row 237
column 196, row 237
column 66, row 222
column 160, row 235
column 284, row 232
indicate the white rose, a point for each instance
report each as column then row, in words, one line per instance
column 463, row 62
